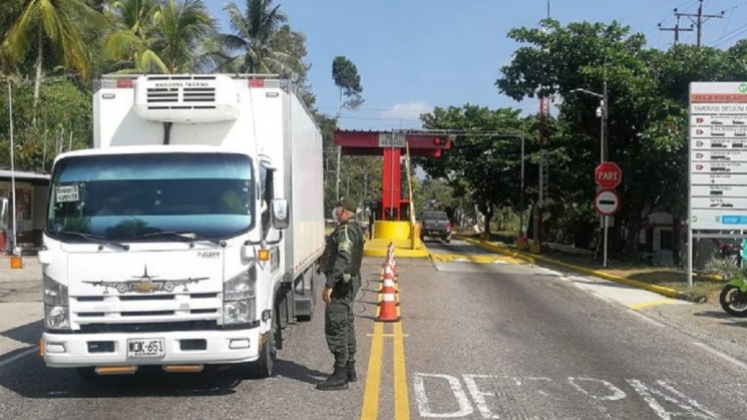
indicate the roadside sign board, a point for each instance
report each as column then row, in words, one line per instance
column 608, row 175
column 718, row 155
column 607, row 202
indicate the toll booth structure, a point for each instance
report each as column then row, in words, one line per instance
column 394, row 215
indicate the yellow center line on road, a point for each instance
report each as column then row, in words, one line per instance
column 370, row 410
column 401, row 397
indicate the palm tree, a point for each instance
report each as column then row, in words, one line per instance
column 187, row 28
column 162, row 37
column 45, row 26
column 135, row 32
column 253, row 34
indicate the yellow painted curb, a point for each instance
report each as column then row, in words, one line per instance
column 651, row 304
column 476, row 259
column 532, row 259
column 398, row 253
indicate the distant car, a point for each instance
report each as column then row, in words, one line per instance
column 436, row 224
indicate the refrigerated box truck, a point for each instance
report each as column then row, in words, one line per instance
column 190, row 234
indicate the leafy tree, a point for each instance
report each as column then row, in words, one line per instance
column 288, row 41
column 253, row 35
column 42, row 27
column 162, row 37
column 348, row 81
column 346, row 77
column 64, row 124
column 489, row 162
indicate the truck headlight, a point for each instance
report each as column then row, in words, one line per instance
column 239, row 298
column 56, row 305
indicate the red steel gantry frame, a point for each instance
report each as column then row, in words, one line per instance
column 380, row 143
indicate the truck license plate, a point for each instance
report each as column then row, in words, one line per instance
column 153, row 347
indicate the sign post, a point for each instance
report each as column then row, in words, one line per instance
column 717, row 162
column 607, row 202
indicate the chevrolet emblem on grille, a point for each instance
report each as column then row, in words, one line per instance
column 146, row 284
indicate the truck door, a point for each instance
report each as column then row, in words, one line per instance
column 266, row 194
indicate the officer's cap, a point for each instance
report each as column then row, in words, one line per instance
column 348, row 204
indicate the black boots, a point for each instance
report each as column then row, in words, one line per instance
column 352, row 377
column 339, row 378
column 337, row 381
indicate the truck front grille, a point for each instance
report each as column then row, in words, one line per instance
column 149, row 328
column 159, row 308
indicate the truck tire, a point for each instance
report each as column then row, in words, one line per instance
column 265, row 365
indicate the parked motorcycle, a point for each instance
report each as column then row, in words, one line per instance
column 733, row 297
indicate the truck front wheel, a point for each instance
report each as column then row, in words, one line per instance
column 264, row 366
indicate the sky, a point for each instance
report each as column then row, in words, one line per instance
column 415, row 55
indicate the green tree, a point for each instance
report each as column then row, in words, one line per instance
column 487, row 157
column 647, row 127
column 64, row 124
column 44, row 27
column 288, row 41
column 253, row 34
column 173, row 36
column 348, row 81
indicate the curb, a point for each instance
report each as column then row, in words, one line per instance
column 379, row 252
column 533, row 260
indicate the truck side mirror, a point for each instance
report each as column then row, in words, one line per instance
column 280, row 213
column 4, row 213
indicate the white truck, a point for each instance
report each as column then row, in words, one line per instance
column 190, row 234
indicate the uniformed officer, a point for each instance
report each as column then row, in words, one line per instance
column 341, row 264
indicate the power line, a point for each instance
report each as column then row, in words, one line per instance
column 726, row 37
column 676, row 29
column 699, row 21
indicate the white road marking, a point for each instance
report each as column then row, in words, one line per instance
column 20, row 355
column 647, row 393
column 647, row 319
column 465, row 407
column 724, row 356
column 600, row 391
column 617, row 393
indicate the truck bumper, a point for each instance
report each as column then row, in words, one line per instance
column 180, row 347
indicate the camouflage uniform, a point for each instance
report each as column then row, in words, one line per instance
column 341, row 264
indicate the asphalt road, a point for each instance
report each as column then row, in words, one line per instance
column 515, row 341
column 483, row 338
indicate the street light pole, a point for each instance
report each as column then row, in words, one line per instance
column 12, row 167
column 521, row 196
column 603, row 112
column 605, row 154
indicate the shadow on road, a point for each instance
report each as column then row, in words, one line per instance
column 715, row 315
column 292, row 370
column 29, row 378
column 28, row 334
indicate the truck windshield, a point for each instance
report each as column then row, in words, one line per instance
column 134, row 196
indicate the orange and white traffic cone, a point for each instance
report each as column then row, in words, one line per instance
column 389, row 271
column 388, row 308
column 388, row 287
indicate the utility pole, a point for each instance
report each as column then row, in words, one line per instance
column 676, row 29
column 699, row 20
column 14, row 248
column 543, row 187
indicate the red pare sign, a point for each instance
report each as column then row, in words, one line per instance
column 608, row 175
